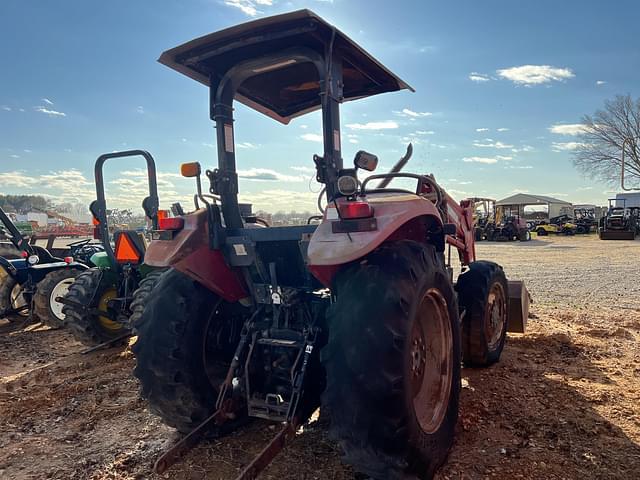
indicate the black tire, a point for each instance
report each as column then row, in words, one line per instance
column 170, row 365
column 44, row 304
column 483, row 292
column 88, row 289
column 374, row 346
column 7, row 286
column 541, row 232
column 140, row 296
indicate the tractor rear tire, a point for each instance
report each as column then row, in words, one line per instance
column 90, row 291
column 54, row 284
column 393, row 362
column 483, row 294
column 140, row 297
column 180, row 386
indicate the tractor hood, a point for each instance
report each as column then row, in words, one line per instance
column 289, row 88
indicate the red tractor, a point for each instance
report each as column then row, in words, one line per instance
column 358, row 314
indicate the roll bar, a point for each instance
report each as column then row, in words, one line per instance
column 98, row 207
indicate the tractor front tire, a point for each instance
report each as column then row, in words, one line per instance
column 89, row 290
column 393, row 362
column 541, row 232
column 54, row 284
column 179, row 384
column 11, row 297
column 483, row 295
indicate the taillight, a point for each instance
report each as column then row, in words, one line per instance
column 355, row 209
column 171, row 223
column 68, row 260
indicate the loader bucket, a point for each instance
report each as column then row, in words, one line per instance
column 519, row 300
column 617, row 235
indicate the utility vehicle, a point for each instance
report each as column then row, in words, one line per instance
column 29, row 285
column 560, row 225
column 358, row 313
column 99, row 304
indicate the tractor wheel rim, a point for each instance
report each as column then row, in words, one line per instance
column 103, row 306
column 60, row 290
column 18, row 300
column 430, row 361
column 495, row 313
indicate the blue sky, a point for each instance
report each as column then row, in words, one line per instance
column 500, row 89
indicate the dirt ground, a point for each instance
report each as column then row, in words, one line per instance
column 563, row 403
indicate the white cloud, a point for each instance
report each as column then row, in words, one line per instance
column 384, row 125
column 14, row 156
column 487, row 160
column 247, row 145
column 311, row 137
column 600, row 82
column 51, row 113
column 410, row 113
column 498, row 145
column 519, row 167
column 266, row 174
column 524, row 148
column 535, row 74
column 479, row 77
column 248, row 7
column 353, row 140
column 47, row 101
column 304, row 169
column 140, row 109
column 482, row 129
column 26, row 150
column 304, row 127
column 17, row 179
column 503, row 129
column 6, row 108
column 568, row 129
column 425, row 132
column 565, row 146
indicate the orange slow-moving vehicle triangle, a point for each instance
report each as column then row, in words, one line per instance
column 126, row 251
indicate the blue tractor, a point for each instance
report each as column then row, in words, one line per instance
column 30, row 284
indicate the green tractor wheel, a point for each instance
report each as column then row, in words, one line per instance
column 91, row 291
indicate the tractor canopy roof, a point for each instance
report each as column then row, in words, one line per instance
column 290, row 88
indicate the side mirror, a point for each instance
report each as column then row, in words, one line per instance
column 191, row 169
column 366, row 161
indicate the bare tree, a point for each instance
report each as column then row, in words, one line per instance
column 599, row 149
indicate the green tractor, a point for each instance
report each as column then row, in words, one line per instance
column 100, row 306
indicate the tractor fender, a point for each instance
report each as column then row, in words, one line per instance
column 189, row 253
column 398, row 216
column 39, row 271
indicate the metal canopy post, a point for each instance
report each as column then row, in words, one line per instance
column 332, row 95
column 225, row 179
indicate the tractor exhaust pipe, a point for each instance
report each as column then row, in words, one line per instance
column 398, row 166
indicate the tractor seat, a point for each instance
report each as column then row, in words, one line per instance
column 129, row 246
